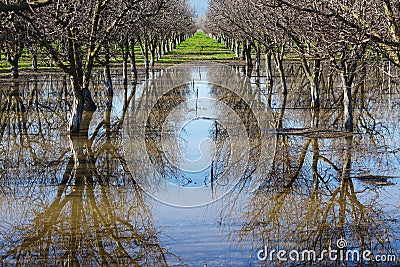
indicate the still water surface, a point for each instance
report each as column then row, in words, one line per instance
column 193, row 167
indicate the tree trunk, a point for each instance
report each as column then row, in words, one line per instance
column 107, row 72
column 77, row 109
column 145, row 52
column 347, row 103
column 14, row 62
column 34, row 63
column 268, row 67
column 315, row 101
column 167, row 46
column 14, row 69
column 279, row 123
column 282, row 76
column 314, row 83
column 153, row 49
column 89, row 103
column 237, row 49
column 125, row 49
column 278, row 56
column 172, row 44
column 244, row 50
column 258, row 58
column 82, row 102
column 160, row 51
column 248, row 55
column 315, row 112
column 132, row 55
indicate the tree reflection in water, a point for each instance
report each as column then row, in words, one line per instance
column 310, row 198
column 70, row 200
column 73, row 212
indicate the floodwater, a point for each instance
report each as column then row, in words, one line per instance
column 193, row 167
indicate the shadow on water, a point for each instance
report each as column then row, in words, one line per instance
column 75, row 200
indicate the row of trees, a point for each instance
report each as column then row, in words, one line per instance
column 79, row 35
column 345, row 34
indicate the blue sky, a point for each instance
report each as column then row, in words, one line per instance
column 200, row 6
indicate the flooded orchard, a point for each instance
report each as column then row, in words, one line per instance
column 201, row 165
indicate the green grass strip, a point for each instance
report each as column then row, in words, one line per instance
column 198, row 47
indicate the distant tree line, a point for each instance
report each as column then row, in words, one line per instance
column 79, row 35
column 345, row 34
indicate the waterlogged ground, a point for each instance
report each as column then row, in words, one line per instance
column 193, row 167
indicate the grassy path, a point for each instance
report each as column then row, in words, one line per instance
column 199, row 47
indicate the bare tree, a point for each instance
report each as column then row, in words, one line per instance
column 315, row 30
column 13, row 36
column 73, row 43
column 343, row 45
column 174, row 24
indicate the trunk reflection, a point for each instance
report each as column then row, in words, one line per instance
column 75, row 200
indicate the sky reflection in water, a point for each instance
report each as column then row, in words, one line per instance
column 70, row 200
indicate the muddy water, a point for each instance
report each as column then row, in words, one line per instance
column 192, row 167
